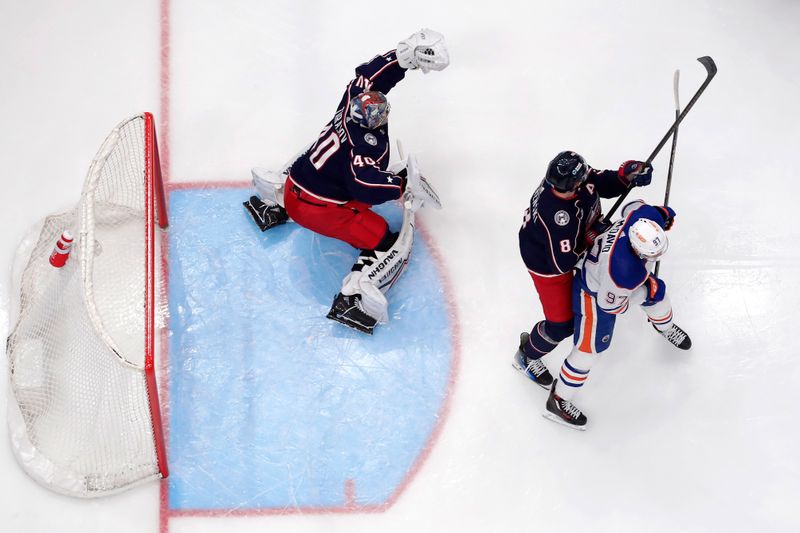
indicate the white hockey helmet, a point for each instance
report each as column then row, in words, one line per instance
column 648, row 239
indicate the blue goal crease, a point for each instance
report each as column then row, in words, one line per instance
column 271, row 404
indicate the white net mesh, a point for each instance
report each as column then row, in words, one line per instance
column 80, row 419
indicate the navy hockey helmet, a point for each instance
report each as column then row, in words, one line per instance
column 567, row 171
column 370, row 109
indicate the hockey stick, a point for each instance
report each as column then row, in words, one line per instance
column 408, row 214
column 675, row 80
column 711, row 71
column 406, row 210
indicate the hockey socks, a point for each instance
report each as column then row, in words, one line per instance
column 544, row 337
column 571, row 377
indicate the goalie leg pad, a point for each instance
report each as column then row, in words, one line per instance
column 384, row 270
column 361, row 304
column 265, row 215
column 269, row 185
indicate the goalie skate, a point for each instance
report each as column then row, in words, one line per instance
column 535, row 369
column 346, row 309
column 563, row 412
column 265, row 215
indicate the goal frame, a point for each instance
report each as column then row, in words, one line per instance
column 144, row 459
column 155, row 209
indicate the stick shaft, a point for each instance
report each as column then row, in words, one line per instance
column 711, row 71
column 675, row 81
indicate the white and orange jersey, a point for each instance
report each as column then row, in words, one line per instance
column 611, row 271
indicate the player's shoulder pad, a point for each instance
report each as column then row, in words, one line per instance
column 596, row 175
column 626, row 269
column 650, row 212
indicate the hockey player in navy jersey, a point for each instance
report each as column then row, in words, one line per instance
column 612, row 276
column 561, row 222
column 332, row 185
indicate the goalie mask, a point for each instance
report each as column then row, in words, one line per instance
column 648, row 239
column 370, row 109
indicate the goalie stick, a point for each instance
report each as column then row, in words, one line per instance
column 675, row 82
column 711, row 71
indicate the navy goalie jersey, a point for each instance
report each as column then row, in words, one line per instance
column 551, row 239
column 348, row 162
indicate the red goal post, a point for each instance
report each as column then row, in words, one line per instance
column 83, row 413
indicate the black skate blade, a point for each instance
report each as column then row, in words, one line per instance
column 350, row 323
column 558, row 420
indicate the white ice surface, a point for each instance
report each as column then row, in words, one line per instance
column 703, row 441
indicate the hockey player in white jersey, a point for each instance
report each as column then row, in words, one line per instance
column 612, row 276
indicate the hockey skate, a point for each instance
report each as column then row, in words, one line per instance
column 265, row 215
column 535, row 369
column 676, row 336
column 347, row 310
column 563, row 411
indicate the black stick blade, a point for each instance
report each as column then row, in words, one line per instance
column 708, row 63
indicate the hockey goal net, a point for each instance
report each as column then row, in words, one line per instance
column 84, row 414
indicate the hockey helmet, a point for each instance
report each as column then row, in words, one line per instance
column 567, row 171
column 648, row 240
column 370, row 109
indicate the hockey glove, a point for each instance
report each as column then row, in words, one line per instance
column 656, row 290
column 425, row 50
column 636, row 173
column 668, row 214
column 594, row 231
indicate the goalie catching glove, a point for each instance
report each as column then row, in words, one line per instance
column 418, row 190
column 425, row 50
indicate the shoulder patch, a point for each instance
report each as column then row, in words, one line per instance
column 561, row 217
column 371, row 139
